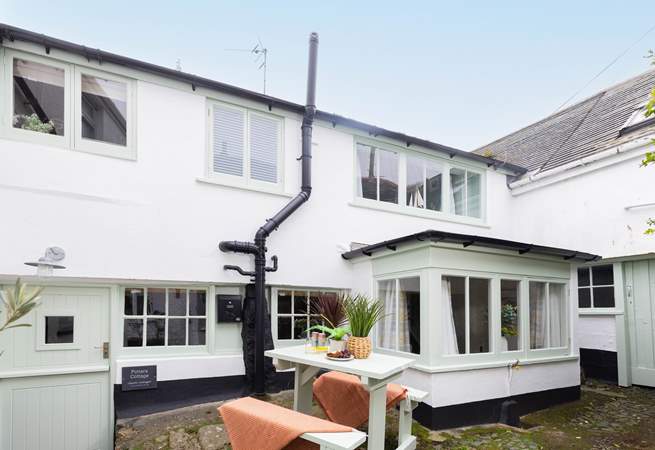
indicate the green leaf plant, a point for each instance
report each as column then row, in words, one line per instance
column 18, row 301
column 649, row 158
column 362, row 313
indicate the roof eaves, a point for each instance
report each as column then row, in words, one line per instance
column 471, row 240
column 13, row 33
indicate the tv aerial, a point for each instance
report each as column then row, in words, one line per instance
column 261, row 56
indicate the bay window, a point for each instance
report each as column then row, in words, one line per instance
column 416, row 183
column 400, row 329
column 548, row 315
column 465, row 312
column 245, row 145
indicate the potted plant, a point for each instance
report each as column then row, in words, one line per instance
column 508, row 319
column 362, row 314
column 330, row 308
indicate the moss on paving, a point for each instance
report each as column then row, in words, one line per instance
column 606, row 417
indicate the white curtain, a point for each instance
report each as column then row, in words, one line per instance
column 449, row 334
column 387, row 328
column 556, row 322
column 537, row 315
column 358, row 171
column 403, row 322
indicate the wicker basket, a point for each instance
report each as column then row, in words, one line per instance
column 360, row 347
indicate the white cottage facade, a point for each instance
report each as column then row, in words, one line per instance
column 138, row 172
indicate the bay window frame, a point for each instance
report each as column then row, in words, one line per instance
column 244, row 181
column 401, row 207
column 549, row 351
column 396, row 277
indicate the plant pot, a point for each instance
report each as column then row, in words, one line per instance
column 336, row 346
column 360, row 347
column 503, row 344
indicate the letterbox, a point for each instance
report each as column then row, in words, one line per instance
column 228, row 308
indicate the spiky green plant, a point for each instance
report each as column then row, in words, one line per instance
column 18, row 301
column 362, row 313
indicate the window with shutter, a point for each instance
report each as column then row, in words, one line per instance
column 244, row 144
column 264, row 136
column 228, row 140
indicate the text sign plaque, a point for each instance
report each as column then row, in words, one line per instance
column 139, row 377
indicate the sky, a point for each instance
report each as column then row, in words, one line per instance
column 458, row 73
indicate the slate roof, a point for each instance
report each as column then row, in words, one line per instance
column 588, row 127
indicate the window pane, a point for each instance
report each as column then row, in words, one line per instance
column 583, row 276
column 176, row 331
column 537, row 315
column 177, row 302
column 132, row 332
column 602, row 275
column 197, row 302
column 133, row 302
column 284, row 327
column 557, row 315
column 155, row 332
column 197, row 331
column 263, row 148
column 104, row 110
column 479, row 315
column 584, row 298
column 473, row 194
column 415, row 191
column 284, row 302
column 367, row 186
column 388, row 173
column 454, row 315
column 156, row 301
column 300, row 302
column 604, row 297
column 409, row 315
column 300, row 327
column 59, row 329
column 227, row 140
column 38, row 97
column 457, row 191
column 387, row 326
column 510, row 323
column 433, row 179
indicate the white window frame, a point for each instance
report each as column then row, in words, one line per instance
column 72, row 139
column 244, row 181
column 40, row 329
column 548, row 351
column 145, row 316
column 401, row 207
column 425, row 162
column 35, row 137
column 493, row 347
column 396, row 278
column 466, row 191
column 520, row 302
column 590, row 287
column 292, row 314
column 96, row 146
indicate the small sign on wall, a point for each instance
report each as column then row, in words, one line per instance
column 138, row 378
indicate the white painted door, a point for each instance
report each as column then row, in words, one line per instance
column 54, row 377
column 640, row 296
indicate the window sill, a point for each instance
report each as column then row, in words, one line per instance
column 242, row 186
column 493, row 364
column 599, row 312
column 416, row 212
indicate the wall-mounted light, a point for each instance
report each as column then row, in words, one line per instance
column 49, row 261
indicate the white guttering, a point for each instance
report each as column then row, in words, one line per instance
column 586, row 164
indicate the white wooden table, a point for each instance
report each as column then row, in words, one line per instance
column 375, row 373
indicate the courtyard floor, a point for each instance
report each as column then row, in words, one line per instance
column 606, row 417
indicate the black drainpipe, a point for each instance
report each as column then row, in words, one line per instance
column 258, row 247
